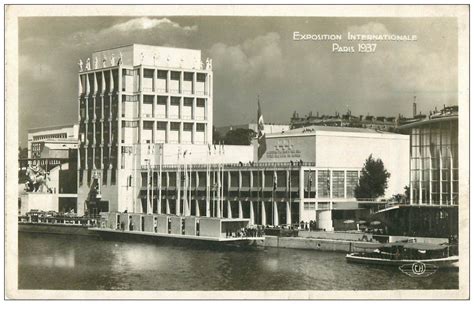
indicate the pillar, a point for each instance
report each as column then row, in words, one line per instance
column 275, row 213
column 264, row 215
column 288, row 213
column 252, row 215
column 229, row 210
column 240, row 210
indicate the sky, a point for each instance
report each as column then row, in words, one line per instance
column 251, row 56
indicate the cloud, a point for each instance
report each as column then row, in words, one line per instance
column 257, row 57
column 31, row 68
column 145, row 30
column 146, row 23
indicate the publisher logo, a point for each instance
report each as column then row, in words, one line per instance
column 418, row 269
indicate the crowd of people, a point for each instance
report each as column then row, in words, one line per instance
column 255, row 231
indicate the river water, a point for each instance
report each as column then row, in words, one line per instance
column 64, row 262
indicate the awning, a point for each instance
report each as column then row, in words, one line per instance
column 424, row 246
column 369, row 245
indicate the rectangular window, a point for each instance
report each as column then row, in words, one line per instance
column 162, row 100
column 324, row 184
column 200, row 103
column 188, row 76
column 147, row 73
column 338, row 184
column 175, row 75
column 148, row 99
column 201, row 77
column 161, row 125
column 162, row 74
column 129, row 124
column 148, row 125
column 175, row 126
column 175, row 100
column 188, row 127
column 188, row 102
column 200, row 127
column 352, row 179
column 129, row 98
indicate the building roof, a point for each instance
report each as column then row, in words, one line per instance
column 421, row 123
column 314, row 129
column 57, row 127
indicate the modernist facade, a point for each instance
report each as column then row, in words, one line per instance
column 434, row 178
column 434, row 165
column 52, row 142
column 306, row 174
column 131, row 99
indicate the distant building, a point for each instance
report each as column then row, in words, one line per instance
column 52, row 142
column 434, row 156
column 381, row 123
column 269, row 128
column 434, row 178
column 139, row 105
column 54, row 149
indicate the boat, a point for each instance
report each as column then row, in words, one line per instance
column 51, row 222
column 175, row 229
column 404, row 253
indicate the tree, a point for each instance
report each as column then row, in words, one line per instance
column 216, row 136
column 373, row 179
column 239, row 137
column 22, row 153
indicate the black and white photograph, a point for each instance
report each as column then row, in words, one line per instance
column 237, row 151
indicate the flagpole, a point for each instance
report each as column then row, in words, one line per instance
column 159, row 180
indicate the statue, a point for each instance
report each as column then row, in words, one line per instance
column 104, row 61
column 207, row 63
column 88, row 64
column 37, row 178
column 210, row 64
column 202, row 65
column 80, row 65
column 112, row 60
column 120, row 61
column 96, row 63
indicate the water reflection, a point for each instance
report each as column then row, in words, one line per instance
column 68, row 262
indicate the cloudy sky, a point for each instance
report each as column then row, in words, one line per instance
column 251, row 55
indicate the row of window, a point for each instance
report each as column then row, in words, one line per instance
column 50, row 136
column 163, row 100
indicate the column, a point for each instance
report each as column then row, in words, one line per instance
column 168, row 79
column 241, row 215
column 288, row 213
column 252, row 215
column 194, row 83
column 229, row 210
column 264, row 215
column 208, row 192
column 275, row 213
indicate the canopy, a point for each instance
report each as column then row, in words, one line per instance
column 375, row 223
column 349, row 221
column 368, row 245
column 424, row 246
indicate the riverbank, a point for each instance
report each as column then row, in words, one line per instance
column 55, row 228
column 337, row 241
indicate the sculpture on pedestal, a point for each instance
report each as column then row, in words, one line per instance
column 80, row 65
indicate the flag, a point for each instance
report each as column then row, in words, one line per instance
column 275, row 179
column 262, row 143
column 209, row 146
column 310, row 182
